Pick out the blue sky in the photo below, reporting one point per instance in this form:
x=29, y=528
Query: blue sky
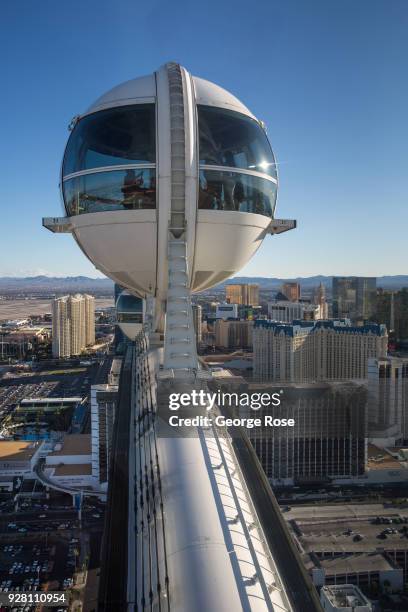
x=329, y=78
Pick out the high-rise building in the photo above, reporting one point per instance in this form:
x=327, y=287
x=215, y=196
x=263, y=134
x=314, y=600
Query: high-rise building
x=247, y=294
x=291, y=291
x=89, y=320
x=287, y=312
x=233, y=334
x=315, y=351
x=392, y=309
x=73, y=324
x=319, y=298
x=119, y=340
x=198, y=322
x=104, y=399
x=328, y=436
x=76, y=308
x=61, y=328
x=253, y=295
x=354, y=297
x=387, y=413
x=226, y=311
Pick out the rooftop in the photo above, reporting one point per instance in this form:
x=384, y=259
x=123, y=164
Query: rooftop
x=220, y=358
x=73, y=469
x=75, y=444
x=351, y=528
x=219, y=372
x=302, y=327
x=50, y=400
x=345, y=596
x=355, y=564
x=12, y=450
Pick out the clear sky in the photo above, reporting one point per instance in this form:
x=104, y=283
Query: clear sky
x=329, y=78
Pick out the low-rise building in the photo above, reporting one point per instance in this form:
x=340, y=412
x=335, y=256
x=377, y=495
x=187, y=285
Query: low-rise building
x=362, y=544
x=69, y=464
x=18, y=458
x=344, y=598
x=363, y=570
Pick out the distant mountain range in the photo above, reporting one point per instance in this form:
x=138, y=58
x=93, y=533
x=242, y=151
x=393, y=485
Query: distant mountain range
x=50, y=284
x=70, y=284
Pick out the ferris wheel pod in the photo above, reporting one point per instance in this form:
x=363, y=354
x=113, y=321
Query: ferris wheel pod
x=137, y=162
x=130, y=314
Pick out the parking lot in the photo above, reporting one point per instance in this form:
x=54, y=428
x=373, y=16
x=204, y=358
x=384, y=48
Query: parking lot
x=10, y=395
x=350, y=528
x=65, y=383
x=36, y=566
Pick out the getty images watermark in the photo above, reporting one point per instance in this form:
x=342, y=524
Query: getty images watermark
x=207, y=401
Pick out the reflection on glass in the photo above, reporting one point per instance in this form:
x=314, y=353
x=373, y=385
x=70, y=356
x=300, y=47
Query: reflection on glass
x=119, y=136
x=129, y=317
x=129, y=309
x=117, y=190
x=234, y=140
x=236, y=192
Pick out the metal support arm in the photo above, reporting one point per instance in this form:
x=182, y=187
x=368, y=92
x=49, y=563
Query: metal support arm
x=58, y=225
x=278, y=226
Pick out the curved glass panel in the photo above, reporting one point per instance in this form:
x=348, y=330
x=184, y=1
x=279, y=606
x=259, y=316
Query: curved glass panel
x=128, y=304
x=116, y=190
x=123, y=135
x=129, y=309
x=235, y=191
x=234, y=140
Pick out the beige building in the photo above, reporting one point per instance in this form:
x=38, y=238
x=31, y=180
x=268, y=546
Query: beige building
x=73, y=324
x=315, y=350
x=291, y=291
x=233, y=334
x=89, y=320
x=246, y=294
x=61, y=328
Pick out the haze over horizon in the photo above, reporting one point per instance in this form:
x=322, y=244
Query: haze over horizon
x=237, y=276
x=334, y=103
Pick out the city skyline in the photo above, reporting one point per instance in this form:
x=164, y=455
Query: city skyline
x=327, y=96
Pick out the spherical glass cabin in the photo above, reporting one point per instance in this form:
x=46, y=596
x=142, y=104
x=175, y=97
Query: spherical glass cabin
x=120, y=176
x=130, y=314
